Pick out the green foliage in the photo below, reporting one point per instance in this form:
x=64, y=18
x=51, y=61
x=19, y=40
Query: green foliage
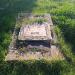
x=31, y=21
x=41, y=67
x=63, y=15
x=66, y=48
x=30, y=68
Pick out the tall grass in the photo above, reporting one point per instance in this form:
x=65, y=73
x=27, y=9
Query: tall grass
x=63, y=16
x=36, y=68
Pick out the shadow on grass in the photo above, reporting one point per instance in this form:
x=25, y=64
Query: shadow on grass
x=66, y=24
x=9, y=10
x=68, y=30
x=30, y=68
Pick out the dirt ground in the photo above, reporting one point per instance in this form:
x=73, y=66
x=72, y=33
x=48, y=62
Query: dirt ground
x=52, y=53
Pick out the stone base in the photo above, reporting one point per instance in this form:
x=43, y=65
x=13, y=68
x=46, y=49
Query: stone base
x=49, y=54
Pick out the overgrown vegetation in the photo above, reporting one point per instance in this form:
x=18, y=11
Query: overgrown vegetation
x=36, y=68
x=63, y=15
x=32, y=21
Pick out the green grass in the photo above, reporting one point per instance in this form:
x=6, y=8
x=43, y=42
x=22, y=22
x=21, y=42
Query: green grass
x=63, y=16
x=36, y=68
x=31, y=21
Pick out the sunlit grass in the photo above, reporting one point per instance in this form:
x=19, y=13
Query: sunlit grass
x=63, y=16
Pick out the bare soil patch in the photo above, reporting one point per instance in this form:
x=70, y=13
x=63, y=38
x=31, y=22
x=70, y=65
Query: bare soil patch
x=47, y=53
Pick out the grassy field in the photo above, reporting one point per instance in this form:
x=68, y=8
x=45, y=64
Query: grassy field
x=63, y=16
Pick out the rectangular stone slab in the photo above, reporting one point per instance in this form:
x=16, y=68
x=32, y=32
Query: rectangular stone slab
x=36, y=31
